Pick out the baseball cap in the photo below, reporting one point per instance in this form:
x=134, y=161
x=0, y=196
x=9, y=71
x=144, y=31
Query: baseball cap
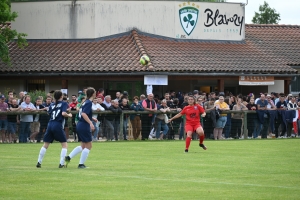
x=2, y=96
x=290, y=95
x=195, y=92
x=79, y=92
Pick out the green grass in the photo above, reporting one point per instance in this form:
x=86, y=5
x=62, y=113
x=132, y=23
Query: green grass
x=236, y=169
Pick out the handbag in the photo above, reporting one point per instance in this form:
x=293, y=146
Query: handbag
x=217, y=112
x=166, y=118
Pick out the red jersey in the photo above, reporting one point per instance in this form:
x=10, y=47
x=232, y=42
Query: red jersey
x=192, y=113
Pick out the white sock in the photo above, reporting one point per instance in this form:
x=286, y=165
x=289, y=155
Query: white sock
x=75, y=151
x=42, y=154
x=84, y=155
x=63, y=154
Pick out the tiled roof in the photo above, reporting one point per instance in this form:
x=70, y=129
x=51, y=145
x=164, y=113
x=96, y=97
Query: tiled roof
x=266, y=49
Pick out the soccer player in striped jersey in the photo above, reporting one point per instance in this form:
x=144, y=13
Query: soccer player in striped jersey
x=57, y=112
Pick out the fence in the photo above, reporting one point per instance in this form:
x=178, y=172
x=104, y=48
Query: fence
x=172, y=113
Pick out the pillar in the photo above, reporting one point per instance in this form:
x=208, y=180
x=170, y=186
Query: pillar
x=221, y=85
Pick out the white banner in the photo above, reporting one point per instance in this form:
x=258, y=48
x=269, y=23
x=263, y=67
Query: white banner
x=155, y=80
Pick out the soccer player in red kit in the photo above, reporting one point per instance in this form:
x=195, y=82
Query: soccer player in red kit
x=192, y=113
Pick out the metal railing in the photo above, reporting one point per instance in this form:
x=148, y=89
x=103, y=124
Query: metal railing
x=171, y=113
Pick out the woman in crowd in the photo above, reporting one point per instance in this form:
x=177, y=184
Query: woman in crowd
x=236, y=120
x=221, y=122
x=135, y=119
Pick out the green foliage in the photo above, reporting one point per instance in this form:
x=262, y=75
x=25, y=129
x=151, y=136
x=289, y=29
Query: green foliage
x=6, y=33
x=37, y=93
x=266, y=15
x=235, y=170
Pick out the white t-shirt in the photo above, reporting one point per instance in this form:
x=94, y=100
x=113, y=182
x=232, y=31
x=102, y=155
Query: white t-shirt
x=95, y=107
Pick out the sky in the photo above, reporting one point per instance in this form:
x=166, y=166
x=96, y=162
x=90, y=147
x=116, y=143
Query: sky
x=289, y=10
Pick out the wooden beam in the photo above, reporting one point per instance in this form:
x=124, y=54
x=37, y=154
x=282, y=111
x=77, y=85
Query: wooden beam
x=287, y=86
x=221, y=87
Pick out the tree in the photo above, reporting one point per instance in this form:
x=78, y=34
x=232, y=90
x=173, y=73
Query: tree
x=266, y=15
x=6, y=33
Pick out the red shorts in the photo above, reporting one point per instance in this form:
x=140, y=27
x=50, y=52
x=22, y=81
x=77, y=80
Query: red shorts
x=192, y=127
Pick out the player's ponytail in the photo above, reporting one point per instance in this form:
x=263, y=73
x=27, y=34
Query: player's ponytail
x=89, y=92
x=57, y=95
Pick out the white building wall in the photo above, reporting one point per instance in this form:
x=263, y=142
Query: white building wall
x=98, y=18
x=277, y=87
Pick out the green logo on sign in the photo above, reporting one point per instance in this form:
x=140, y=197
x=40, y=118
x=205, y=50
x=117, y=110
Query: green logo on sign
x=188, y=18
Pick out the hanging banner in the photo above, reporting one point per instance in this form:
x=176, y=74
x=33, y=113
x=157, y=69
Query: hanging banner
x=256, y=80
x=155, y=80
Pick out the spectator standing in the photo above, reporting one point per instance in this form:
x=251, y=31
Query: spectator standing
x=160, y=121
x=101, y=118
x=252, y=123
x=100, y=93
x=292, y=105
x=221, y=122
x=125, y=107
x=262, y=104
x=281, y=106
x=135, y=119
x=148, y=105
x=118, y=96
x=236, y=120
x=12, y=121
x=107, y=101
x=3, y=118
x=116, y=110
x=26, y=120
x=72, y=107
x=96, y=107
x=35, y=125
x=21, y=96
x=271, y=116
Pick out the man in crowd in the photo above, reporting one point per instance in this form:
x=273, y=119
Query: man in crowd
x=12, y=121
x=3, y=118
x=35, y=125
x=107, y=101
x=124, y=106
x=148, y=105
x=26, y=120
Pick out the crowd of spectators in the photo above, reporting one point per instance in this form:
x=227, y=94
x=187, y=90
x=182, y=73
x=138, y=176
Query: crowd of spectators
x=277, y=115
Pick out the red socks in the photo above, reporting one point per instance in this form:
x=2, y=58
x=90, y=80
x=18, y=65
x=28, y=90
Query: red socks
x=201, y=138
x=187, y=142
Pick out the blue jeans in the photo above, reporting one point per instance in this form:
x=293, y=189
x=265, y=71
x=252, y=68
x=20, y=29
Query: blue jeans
x=24, y=132
x=227, y=128
x=161, y=125
x=181, y=130
x=257, y=128
x=116, y=124
x=96, y=131
x=125, y=123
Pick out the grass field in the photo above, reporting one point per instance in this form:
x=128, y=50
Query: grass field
x=236, y=169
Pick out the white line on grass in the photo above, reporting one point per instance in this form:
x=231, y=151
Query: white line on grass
x=164, y=179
